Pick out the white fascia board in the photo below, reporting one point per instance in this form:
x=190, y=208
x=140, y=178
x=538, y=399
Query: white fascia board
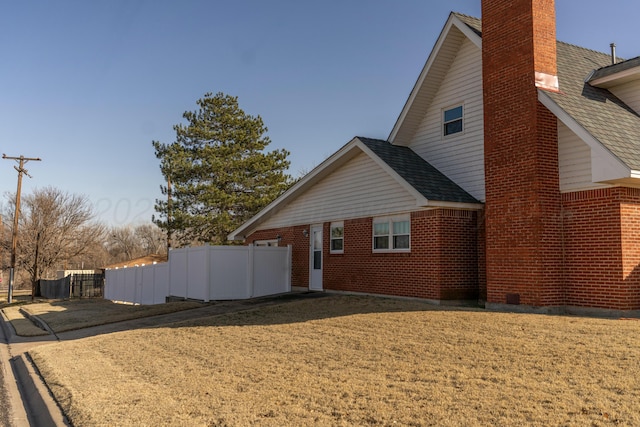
x=317, y=173
x=467, y=31
x=452, y=21
x=617, y=78
x=605, y=166
x=454, y=205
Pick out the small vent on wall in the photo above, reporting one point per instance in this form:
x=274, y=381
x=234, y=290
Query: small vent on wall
x=513, y=299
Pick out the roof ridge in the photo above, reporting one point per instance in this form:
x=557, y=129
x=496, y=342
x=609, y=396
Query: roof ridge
x=585, y=48
x=372, y=139
x=465, y=15
x=557, y=40
x=620, y=61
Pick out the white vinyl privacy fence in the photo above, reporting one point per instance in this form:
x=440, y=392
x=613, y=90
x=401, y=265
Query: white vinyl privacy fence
x=205, y=273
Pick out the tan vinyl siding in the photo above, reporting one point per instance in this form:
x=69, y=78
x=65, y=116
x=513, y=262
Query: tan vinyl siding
x=574, y=162
x=461, y=156
x=629, y=93
x=358, y=189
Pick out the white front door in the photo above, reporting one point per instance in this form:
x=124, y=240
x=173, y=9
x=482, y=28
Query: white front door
x=315, y=258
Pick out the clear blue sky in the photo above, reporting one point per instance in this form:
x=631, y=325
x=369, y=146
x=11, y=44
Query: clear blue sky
x=87, y=85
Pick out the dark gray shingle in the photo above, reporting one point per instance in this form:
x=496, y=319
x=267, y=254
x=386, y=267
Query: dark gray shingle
x=607, y=118
x=426, y=179
x=600, y=112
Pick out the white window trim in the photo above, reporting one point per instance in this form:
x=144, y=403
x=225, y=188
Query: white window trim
x=442, y=122
x=331, y=227
x=390, y=220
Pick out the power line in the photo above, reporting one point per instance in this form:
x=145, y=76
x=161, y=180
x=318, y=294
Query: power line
x=14, y=239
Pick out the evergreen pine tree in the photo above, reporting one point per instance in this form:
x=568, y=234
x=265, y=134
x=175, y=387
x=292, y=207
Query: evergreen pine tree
x=219, y=172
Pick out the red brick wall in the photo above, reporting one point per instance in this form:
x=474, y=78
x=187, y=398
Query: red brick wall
x=602, y=248
x=524, y=29
x=523, y=206
x=442, y=265
x=601, y=258
x=630, y=227
x=482, y=259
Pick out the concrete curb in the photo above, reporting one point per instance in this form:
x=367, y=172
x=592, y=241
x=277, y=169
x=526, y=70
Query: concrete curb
x=31, y=401
x=41, y=408
x=18, y=413
x=37, y=321
x=7, y=328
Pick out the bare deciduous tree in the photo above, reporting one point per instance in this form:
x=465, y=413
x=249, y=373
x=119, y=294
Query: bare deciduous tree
x=152, y=238
x=55, y=228
x=128, y=242
x=122, y=244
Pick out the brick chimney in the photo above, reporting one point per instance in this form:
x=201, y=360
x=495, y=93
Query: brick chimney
x=523, y=206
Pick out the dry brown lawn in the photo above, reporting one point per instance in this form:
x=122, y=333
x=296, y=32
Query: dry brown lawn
x=74, y=314
x=23, y=326
x=19, y=295
x=347, y=360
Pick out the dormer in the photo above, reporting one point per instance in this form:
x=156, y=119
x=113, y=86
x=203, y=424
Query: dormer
x=622, y=79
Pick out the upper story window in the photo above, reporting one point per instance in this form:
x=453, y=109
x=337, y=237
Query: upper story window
x=337, y=238
x=452, y=120
x=392, y=233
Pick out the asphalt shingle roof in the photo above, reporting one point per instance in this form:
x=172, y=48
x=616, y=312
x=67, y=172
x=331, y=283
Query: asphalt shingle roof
x=599, y=111
x=416, y=171
x=474, y=23
x=608, y=119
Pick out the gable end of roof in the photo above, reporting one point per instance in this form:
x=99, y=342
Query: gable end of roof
x=457, y=28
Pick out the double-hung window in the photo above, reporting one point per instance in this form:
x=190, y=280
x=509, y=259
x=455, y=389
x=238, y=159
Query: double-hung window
x=337, y=238
x=392, y=234
x=452, y=120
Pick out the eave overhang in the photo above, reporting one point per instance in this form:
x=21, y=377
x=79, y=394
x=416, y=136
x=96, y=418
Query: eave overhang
x=606, y=167
x=338, y=159
x=617, y=74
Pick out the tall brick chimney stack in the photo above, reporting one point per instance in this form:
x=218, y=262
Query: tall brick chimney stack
x=523, y=206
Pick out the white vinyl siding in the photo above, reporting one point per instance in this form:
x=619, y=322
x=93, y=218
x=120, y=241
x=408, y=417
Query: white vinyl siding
x=437, y=67
x=459, y=156
x=359, y=189
x=574, y=162
x=629, y=93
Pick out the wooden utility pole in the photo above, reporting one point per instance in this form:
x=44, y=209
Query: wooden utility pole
x=169, y=207
x=35, y=268
x=14, y=240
